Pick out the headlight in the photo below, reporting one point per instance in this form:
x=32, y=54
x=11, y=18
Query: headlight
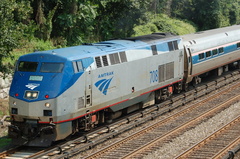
x=28, y=94
x=31, y=95
x=34, y=95
x=47, y=105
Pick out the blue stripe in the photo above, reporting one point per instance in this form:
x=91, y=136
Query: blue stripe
x=227, y=50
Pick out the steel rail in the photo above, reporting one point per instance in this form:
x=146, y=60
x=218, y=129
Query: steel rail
x=208, y=139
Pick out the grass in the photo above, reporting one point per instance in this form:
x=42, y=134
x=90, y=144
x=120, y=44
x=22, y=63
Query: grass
x=4, y=141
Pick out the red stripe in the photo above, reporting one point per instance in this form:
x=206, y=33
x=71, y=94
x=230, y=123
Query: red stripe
x=62, y=121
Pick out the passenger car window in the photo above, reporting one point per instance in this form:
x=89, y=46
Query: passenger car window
x=208, y=54
x=215, y=52
x=201, y=56
x=220, y=50
x=51, y=67
x=25, y=66
x=238, y=45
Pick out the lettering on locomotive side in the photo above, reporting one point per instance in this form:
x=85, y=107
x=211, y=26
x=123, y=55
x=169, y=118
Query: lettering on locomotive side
x=105, y=74
x=153, y=76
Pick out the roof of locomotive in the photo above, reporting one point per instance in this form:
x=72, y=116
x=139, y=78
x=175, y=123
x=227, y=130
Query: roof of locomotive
x=107, y=47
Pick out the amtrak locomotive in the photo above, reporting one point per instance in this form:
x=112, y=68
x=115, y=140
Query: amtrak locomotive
x=59, y=92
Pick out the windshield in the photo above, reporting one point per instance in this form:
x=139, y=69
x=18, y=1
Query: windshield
x=51, y=67
x=25, y=66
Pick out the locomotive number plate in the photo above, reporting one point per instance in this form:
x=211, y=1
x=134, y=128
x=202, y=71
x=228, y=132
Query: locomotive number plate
x=35, y=78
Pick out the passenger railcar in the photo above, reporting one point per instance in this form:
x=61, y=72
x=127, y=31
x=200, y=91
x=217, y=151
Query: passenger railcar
x=59, y=92
x=213, y=50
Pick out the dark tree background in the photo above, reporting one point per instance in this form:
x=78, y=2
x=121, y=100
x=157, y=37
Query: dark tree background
x=72, y=22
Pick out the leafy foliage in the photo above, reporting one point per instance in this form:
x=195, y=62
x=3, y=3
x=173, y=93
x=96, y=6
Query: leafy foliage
x=207, y=14
x=163, y=23
x=72, y=22
x=9, y=31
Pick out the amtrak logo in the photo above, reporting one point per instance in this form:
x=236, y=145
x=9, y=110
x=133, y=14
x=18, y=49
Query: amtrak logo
x=32, y=85
x=105, y=74
x=103, y=85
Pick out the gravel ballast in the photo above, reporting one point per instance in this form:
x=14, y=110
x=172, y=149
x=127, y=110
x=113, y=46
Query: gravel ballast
x=189, y=138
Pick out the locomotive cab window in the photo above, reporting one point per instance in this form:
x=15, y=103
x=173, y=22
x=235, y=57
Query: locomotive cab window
x=25, y=66
x=49, y=67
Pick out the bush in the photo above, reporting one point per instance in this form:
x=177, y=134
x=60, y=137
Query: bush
x=163, y=23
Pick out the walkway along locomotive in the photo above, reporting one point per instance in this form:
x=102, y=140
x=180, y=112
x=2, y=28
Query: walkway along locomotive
x=59, y=92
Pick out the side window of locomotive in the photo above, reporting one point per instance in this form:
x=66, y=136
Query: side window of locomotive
x=77, y=66
x=208, y=54
x=215, y=52
x=201, y=56
x=80, y=66
x=170, y=46
x=154, y=49
x=173, y=45
x=220, y=50
x=48, y=67
x=25, y=66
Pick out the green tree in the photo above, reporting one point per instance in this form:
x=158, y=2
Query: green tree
x=116, y=18
x=10, y=32
x=207, y=14
x=74, y=21
x=44, y=13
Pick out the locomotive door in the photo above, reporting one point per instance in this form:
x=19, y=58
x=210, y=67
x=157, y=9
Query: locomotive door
x=88, y=88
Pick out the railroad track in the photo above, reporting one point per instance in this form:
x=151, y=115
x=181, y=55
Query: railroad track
x=216, y=145
x=94, y=138
x=21, y=152
x=153, y=137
